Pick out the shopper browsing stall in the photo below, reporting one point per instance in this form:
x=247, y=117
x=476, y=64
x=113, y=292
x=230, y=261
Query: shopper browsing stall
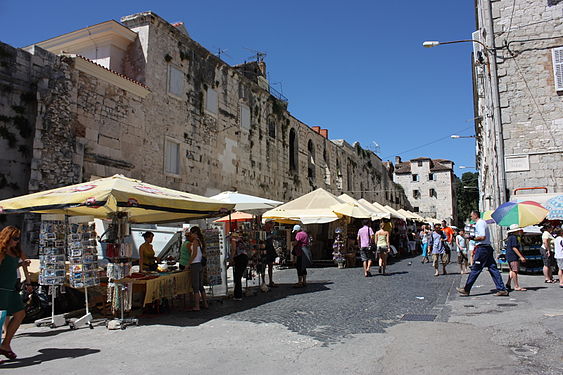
x=546, y=251
x=558, y=233
x=303, y=255
x=514, y=256
x=270, y=252
x=10, y=300
x=239, y=261
x=185, y=251
x=198, y=260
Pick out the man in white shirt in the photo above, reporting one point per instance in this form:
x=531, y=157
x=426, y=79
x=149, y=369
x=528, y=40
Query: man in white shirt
x=484, y=257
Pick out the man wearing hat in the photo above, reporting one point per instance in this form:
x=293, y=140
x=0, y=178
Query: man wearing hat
x=514, y=256
x=302, y=254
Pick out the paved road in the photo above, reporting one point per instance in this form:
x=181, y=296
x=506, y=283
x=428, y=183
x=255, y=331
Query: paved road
x=341, y=323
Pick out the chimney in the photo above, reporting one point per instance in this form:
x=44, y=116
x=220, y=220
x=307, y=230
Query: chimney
x=324, y=133
x=316, y=129
x=397, y=159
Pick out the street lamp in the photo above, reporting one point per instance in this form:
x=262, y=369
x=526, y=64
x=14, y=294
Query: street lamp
x=434, y=43
x=455, y=136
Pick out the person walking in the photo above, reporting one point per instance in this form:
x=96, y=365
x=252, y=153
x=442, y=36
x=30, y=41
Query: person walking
x=365, y=239
x=558, y=242
x=383, y=247
x=546, y=251
x=461, y=246
x=484, y=257
x=270, y=252
x=514, y=256
x=424, y=242
x=439, y=254
x=303, y=255
x=10, y=299
x=239, y=259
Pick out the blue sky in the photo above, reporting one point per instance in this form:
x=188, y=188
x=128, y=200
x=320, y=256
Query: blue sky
x=357, y=68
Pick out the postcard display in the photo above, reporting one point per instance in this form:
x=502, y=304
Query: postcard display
x=214, y=245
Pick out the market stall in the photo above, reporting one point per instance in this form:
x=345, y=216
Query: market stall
x=121, y=200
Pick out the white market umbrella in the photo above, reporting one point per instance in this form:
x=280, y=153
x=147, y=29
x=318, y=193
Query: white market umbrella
x=245, y=202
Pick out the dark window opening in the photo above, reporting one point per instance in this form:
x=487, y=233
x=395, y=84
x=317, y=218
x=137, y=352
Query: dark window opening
x=292, y=150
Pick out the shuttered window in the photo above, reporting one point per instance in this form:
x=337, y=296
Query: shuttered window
x=175, y=81
x=171, y=156
x=244, y=116
x=558, y=67
x=211, y=101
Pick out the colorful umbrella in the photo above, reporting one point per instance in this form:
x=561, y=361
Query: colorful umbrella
x=487, y=216
x=555, y=208
x=521, y=213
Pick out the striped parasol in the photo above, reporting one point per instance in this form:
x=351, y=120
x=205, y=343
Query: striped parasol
x=521, y=213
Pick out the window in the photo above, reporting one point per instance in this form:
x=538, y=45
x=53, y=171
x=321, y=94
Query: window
x=415, y=177
x=557, y=54
x=416, y=194
x=416, y=209
x=244, y=116
x=292, y=150
x=419, y=163
x=175, y=81
x=272, y=127
x=432, y=193
x=171, y=156
x=211, y=101
x=431, y=177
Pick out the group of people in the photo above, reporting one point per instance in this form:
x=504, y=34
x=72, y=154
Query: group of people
x=374, y=245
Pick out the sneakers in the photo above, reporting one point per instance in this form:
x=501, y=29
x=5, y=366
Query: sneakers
x=501, y=293
x=462, y=291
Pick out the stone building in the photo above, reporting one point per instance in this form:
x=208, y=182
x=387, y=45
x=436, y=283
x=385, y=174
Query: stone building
x=429, y=186
x=142, y=99
x=518, y=88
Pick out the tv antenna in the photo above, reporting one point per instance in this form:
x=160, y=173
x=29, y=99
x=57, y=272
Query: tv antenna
x=375, y=147
x=221, y=51
x=259, y=55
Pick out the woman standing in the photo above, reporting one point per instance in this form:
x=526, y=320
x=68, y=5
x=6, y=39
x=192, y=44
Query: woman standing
x=10, y=300
x=147, y=260
x=185, y=252
x=383, y=247
x=514, y=256
x=196, y=266
x=302, y=254
x=424, y=240
x=239, y=259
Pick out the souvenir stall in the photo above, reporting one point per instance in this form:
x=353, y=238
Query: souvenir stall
x=530, y=243
x=122, y=200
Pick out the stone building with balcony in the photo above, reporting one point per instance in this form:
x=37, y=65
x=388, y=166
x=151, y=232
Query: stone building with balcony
x=141, y=98
x=429, y=186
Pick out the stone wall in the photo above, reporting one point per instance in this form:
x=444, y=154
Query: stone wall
x=525, y=32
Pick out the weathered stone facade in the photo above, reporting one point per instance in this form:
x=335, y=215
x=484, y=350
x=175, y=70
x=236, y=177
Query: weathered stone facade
x=429, y=186
x=520, y=133
x=171, y=113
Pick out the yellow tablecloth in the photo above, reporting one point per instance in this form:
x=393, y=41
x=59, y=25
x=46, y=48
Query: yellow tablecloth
x=164, y=286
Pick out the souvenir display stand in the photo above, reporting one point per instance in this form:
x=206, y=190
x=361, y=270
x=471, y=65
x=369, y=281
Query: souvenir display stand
x=119, y=253
x=215, y=247
x=52, y=240
x=83, y=259
x=530, y=244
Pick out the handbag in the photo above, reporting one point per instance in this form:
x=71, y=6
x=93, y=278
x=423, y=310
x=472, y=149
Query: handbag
x=372, y=245
x=203, y=261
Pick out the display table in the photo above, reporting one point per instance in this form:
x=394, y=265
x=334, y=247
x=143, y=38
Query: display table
x=166, y=285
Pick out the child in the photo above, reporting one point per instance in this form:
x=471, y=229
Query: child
x=461, y=245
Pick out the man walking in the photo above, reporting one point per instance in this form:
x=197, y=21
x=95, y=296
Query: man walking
x=484, y=257
x=439, y=254
x=365, y=239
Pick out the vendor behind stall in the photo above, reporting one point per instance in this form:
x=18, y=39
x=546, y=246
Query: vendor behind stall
x=147, y=258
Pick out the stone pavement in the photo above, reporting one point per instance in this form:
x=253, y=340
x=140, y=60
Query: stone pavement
x=342, y=322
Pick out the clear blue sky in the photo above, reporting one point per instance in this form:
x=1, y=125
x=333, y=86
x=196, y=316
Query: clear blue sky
x=357, y=68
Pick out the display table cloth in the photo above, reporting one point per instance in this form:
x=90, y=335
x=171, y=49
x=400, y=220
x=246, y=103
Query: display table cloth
x=164, y=286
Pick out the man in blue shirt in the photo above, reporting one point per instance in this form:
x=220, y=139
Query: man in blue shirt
x=439, y=254
x=484, y=257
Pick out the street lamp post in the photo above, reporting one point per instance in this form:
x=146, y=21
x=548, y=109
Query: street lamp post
x=455, y=136
x=465, y=167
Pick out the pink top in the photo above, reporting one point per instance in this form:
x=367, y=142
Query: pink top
x=302, y=239
x=364, y=234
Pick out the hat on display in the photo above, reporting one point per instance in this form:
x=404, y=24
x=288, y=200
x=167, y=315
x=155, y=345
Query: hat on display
x=296, y=228
x=514, y=228
x=338, y=230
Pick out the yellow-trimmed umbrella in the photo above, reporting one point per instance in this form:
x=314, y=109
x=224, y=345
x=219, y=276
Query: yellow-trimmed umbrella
x=143, y=203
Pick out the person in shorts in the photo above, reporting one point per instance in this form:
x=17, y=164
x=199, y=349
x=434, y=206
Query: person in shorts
x=558, y=242
x=439, y=254
x=514, y=257
x=461, y=246
x=365, y=240
x=546, y=251
x=383, y=247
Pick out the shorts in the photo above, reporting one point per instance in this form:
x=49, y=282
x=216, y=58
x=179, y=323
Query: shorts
x=366, y=253
x=547, y=261
x=559, y=263
x=440, y=258
x=382, y=250
x=461, y=257
x=514, y=266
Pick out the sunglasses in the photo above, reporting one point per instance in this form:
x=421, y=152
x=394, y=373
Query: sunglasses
x=15, y=238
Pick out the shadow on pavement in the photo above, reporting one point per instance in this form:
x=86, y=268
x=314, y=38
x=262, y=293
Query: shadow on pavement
x=221, y=308
x=48, y=354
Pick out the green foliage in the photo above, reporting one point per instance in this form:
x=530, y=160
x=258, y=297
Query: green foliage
x=467, y=195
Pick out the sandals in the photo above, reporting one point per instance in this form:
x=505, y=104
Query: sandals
x=8, y=354
x=549, y=281
x=520, y=289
